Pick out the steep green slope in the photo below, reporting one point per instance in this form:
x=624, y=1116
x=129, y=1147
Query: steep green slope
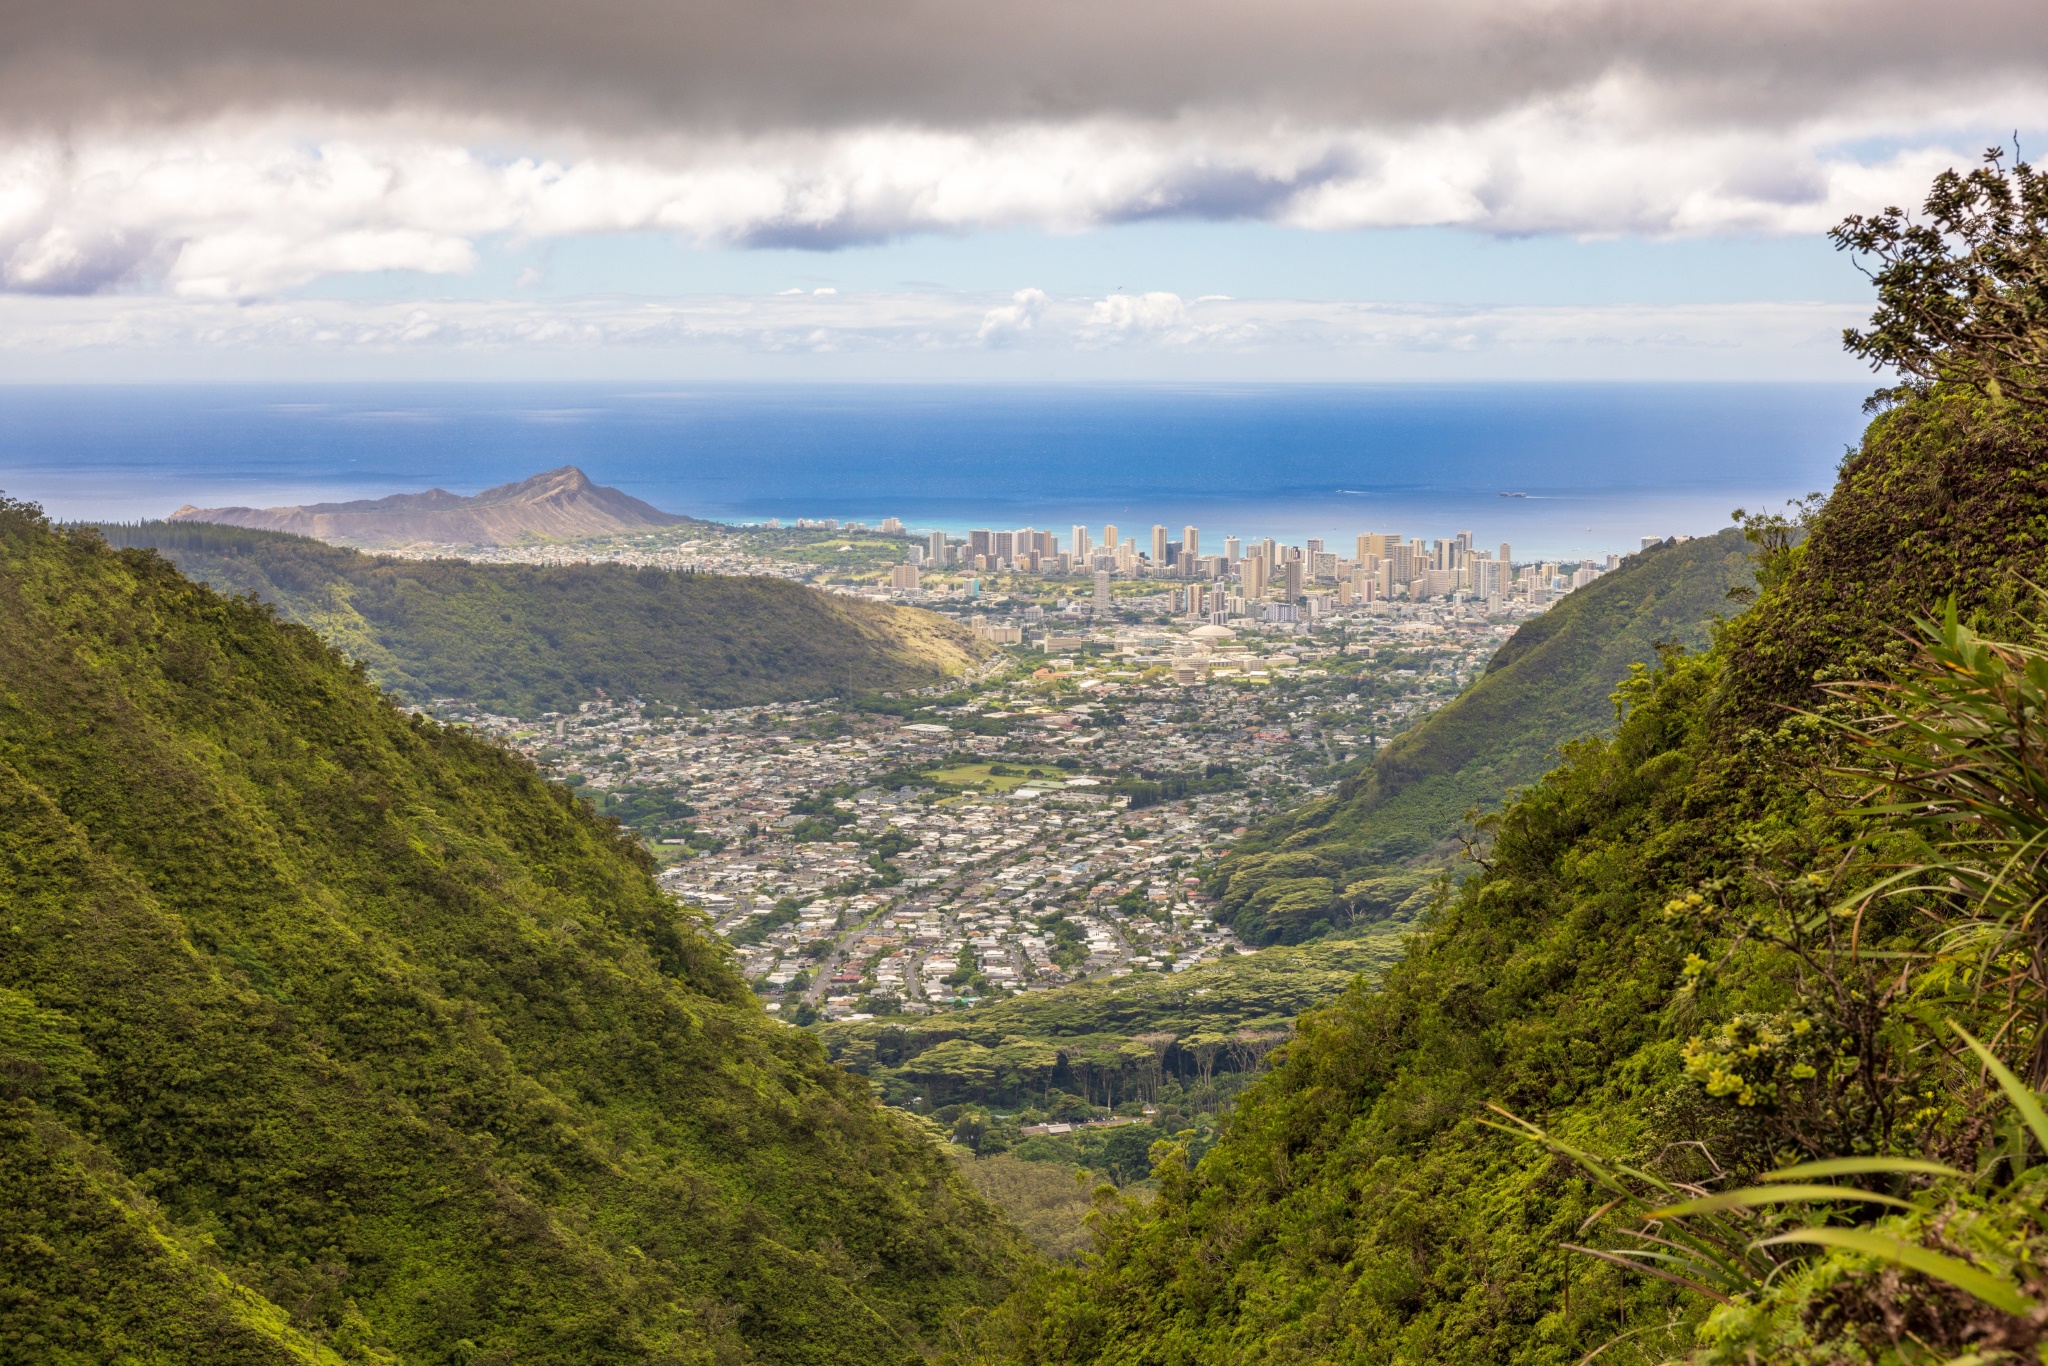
x=1375, y=845
x=530, y=639
x=1648, y=968
x=329, y=1032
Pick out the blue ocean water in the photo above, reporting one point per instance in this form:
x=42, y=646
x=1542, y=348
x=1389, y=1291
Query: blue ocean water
x=1601, y=464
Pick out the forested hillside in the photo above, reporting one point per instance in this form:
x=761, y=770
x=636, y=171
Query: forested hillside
x=1099, y=1042
x=1374, y=847
x=1730, y=1051
x=329, y=1034
x=527, y=639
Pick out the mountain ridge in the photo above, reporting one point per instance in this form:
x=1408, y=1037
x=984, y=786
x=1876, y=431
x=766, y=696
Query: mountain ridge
x=527, y=639
x=331, y=1034
x=557, y=505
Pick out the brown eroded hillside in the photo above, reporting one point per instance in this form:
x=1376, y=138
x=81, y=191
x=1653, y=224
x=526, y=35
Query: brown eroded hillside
x=558, y=505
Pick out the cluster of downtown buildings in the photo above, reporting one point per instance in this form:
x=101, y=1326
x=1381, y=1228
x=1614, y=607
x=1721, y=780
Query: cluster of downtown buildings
x=1262, y=578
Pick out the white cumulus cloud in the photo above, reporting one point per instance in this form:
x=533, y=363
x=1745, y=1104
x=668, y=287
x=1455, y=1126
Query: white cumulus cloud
x=248, y=206
x=1000, y=326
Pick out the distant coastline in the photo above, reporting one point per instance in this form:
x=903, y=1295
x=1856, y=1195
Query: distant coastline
x=1601, y=464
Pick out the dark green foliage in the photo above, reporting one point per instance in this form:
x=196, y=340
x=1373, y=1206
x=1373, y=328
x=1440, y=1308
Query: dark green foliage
x=759, y=927
x=1374, y=848
x=323, y=1024
x=524, y=640
x=1959, y=293
x=1975, y=476
x=1638, y=967
x=1150, y=789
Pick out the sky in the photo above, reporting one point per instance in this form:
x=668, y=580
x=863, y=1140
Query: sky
x=929, y=190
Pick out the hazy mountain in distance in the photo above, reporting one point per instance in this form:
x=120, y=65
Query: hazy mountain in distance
x=558, y=505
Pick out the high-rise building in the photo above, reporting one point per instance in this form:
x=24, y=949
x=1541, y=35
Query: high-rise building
x=914, y=555
x=1233, y=549
x=1253, y=571
x=1401, y=559
x=935, y=548
x=1489, y=576
x=1378, y=544
x=1190, y=542
x=1315, y=545
x=1080, y=549
x=1002, y=547
x=981, y=542
x=1293, y=580
x=892, y=526
x=904, y=576
x=1158, y=548
x=1464, y=541
x=1102, y=590
x=1323, y=565
x=1505, y=557
x=1109, y=541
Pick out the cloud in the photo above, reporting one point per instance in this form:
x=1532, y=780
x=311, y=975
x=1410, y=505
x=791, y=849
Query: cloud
x=1166, y=319
x=905, y=324
x=247, y=206
x=239, y=149
x=1001, y=326
x=633, y=65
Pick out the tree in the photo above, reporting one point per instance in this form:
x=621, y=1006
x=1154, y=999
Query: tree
x=1964, y=295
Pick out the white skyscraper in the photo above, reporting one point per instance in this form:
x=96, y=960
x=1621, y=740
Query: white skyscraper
x=1102, y=590
x=1158, y=548
x=1233, y=549
x=1080, y=548
x=935, y=548
x=1190, y=543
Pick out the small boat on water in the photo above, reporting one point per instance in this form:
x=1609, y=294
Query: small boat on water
x=1514, y=495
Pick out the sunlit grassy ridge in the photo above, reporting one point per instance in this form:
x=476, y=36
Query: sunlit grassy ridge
x=326, y=1030
x=526, y=639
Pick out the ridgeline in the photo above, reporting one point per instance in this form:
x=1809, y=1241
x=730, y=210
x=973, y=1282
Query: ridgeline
x=333, y=1035
x=558, y=505
x=523, y=640
x=1788, y=913
x=1374, y=848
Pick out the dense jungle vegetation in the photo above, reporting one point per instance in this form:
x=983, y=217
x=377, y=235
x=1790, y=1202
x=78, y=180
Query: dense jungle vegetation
x=332, y=1035
x=1373, y=849
x=1093, y=1043
x=1729, y=1051
x=528, y=639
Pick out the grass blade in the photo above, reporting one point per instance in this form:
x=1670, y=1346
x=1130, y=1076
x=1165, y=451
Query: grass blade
x=1992, y=1290
x=2023, y=1099
x=1860, y=1166
x=1749, y=1197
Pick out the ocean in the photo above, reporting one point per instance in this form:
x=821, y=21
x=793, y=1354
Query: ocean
x=1600, y=465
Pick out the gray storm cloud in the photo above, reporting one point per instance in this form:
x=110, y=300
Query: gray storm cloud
x=746, y=65
x=238, y=149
